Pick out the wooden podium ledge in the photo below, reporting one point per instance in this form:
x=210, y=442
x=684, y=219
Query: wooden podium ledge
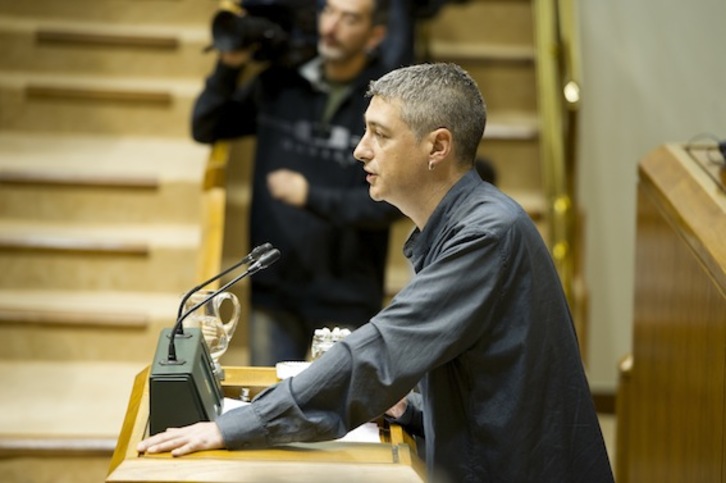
x=391, y=460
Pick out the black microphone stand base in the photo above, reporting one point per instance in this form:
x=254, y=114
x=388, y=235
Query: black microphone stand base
x=184, y=391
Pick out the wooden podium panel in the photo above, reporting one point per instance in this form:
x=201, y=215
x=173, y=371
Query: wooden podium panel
x=391, y=460
x=671, y=419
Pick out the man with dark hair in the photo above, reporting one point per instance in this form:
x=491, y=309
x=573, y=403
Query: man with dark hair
x=483, y=328
x=309, y=196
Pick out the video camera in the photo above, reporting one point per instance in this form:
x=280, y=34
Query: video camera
x=284, y=31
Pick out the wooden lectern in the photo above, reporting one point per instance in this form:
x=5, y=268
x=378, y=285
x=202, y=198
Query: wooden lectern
x=392, y=460
x=672, y=396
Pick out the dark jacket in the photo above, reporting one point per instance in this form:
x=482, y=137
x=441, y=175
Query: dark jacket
x=485, y=330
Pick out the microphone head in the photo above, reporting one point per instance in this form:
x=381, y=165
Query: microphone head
x=268, y=258
x=259, y=251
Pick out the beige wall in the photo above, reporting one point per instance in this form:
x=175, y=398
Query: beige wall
x=654, y=71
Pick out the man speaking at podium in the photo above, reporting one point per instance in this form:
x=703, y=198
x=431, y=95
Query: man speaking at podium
x=483, y=328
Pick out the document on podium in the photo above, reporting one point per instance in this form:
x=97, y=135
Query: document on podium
x=365, y=433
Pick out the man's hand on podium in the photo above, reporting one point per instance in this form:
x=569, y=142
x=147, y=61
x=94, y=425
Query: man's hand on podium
x=181, y=441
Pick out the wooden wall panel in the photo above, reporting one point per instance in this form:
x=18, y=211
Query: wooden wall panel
x=675, y=397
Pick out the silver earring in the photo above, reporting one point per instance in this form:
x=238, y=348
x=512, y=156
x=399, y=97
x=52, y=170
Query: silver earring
x=431, y=165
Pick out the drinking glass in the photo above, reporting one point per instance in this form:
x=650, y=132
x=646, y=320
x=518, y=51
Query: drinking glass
x=217, y=333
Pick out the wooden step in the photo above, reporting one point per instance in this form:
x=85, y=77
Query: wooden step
x=98, y=257
x=487, y=53
x=533, y=202
x=61, y=416
x=517, y=163
x=499, y=22
x=512, y=125
x=78, y=400
x=64, y=325
x=100, y=178
x=175, y=12
x=73, y=47
x=93, y=104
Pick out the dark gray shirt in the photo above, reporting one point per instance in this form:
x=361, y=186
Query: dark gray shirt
x=485, y=331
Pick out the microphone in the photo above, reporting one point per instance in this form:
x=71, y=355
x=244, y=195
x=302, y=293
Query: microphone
x=252, y=256
x=184, y=391
x=268, y=257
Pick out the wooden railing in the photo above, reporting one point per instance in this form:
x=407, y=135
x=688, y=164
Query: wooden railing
x=214, y=199
x=558, y=79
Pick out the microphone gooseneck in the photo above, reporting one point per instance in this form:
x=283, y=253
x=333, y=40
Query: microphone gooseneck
x=251, y=257
x=268, y=256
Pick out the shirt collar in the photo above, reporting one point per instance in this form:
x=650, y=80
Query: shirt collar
x=312, y=71
x=420, y=242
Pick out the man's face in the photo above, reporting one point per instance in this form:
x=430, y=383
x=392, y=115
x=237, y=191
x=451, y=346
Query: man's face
x=393, y=159
x=346, y=29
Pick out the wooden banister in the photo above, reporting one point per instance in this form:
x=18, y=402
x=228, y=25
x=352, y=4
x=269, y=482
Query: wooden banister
x=214, y=198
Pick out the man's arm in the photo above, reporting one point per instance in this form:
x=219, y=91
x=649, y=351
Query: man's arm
x=433, y=320
x=222, y=111
x=437, y=317
x=352, y=206
x=343, y=206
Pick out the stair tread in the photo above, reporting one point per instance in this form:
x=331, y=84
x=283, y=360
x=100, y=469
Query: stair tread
x=163, y=159
x=191, y=33
x=173, y=86
x=533, y=202
x=148, y=11
x=170, y=235
x=153, y=305
x=511, y=125
x=64, y=399
x=442, y=49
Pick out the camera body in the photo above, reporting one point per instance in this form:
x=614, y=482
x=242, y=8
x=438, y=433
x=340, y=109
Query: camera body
x=281, y=31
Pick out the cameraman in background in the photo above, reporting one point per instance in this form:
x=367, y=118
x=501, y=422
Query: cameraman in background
x=310, y=196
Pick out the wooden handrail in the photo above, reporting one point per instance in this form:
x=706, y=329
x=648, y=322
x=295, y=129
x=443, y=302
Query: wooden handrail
x=213, y=210
x=559, y=99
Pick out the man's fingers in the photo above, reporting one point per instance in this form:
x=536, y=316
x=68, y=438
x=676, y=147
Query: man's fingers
x=181, y=441
x=159, y=442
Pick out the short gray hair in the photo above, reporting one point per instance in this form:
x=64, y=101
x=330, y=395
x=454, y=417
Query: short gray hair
x=437, y=95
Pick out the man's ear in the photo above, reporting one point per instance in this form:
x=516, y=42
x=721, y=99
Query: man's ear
x=441, y=145
x=378, y=33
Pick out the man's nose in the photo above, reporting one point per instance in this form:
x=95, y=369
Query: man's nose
x=330, y=24
x=361, y=152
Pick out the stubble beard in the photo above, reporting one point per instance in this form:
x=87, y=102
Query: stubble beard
x=334, y=51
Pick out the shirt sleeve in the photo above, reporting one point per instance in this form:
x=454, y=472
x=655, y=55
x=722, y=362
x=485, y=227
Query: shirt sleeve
x=432, y=321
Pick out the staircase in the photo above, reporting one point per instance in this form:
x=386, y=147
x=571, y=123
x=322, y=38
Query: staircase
x=108, y=213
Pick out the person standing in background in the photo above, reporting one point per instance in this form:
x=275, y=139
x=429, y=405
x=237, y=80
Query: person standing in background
x=309, y=196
